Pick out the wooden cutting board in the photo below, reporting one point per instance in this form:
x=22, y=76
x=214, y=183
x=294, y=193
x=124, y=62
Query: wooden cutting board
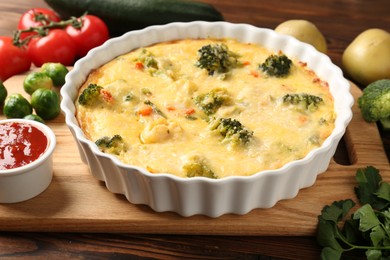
x=76, y=202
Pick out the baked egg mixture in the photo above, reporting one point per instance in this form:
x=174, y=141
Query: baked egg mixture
x=205, y=107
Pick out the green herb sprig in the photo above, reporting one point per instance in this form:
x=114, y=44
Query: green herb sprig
x=368, y=228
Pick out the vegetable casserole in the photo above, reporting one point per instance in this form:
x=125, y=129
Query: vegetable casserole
x=205, y=107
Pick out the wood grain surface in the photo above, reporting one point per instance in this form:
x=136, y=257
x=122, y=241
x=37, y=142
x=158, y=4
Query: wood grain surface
x=76, y=202
x=340, y=22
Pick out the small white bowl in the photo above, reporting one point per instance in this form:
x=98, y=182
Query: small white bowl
x=199, y=195
x=27, y=181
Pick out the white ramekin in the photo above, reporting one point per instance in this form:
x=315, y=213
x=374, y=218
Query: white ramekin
x=211, y=197
x=25, y=182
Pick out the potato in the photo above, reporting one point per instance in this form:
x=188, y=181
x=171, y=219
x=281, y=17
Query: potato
x=304, y=31
x=367, y=57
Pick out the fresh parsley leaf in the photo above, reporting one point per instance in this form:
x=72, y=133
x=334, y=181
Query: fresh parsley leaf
x=373, y=254
x=378, y=236
x=367, y=217
x=385, y=215
x=329, y=253
x=367, y=229
x=351, y=230
x=328, y=234
x=337, y=210
x=384, y=191
x=369, y=181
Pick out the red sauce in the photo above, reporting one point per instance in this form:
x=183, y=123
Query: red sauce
x=20, y=144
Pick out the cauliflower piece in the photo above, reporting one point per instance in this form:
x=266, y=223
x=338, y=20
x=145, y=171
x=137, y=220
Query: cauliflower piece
x=159, y=130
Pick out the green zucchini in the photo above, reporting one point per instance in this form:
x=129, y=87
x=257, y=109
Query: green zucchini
x=125, y=15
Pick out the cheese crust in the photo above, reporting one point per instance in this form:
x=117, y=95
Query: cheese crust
x=149, y=99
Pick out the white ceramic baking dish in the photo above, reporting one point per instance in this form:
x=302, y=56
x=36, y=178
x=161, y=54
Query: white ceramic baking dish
x=211, y=197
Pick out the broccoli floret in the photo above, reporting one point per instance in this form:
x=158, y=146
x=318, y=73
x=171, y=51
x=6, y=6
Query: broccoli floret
x=210, y=102
x=303, y=100
x=385, y=122
x=113, y=145
x=232, y=131
x=196, y=166
x=217, y=58
x=89, y=94
x=276, y=65
x=148, y=59
x=374, y=103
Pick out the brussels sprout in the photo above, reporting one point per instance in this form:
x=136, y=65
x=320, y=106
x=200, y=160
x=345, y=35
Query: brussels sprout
x=56, y=71
x=46, y=103
x=16, y=106
x=35, y=118
x=36, y=80
x=3, y=92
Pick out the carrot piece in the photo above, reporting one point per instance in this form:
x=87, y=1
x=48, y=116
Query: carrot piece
x=139, y=65
x=189, y=111
x=171, y=108
x=106, y=96
x=145, y=111
x=302, y=119
x=254, y=73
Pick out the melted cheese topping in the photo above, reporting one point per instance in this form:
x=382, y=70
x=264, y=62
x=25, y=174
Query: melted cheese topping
x=152, y=107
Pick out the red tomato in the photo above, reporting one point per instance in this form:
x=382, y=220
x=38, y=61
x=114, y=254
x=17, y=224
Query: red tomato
x=36, y=17
x=93, y=33
x=13, y=60
x=57, y=46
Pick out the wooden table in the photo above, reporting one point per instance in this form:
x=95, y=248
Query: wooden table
x=340, y=22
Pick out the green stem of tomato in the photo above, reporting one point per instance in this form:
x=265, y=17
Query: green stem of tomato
x=44, y=29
